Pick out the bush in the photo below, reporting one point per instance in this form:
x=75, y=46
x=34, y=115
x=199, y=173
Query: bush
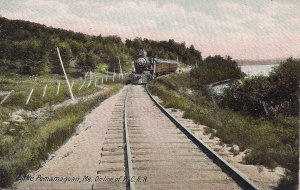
x=247, y=95
x=288, y=182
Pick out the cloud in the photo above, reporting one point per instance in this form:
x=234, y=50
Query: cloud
x=242, y=30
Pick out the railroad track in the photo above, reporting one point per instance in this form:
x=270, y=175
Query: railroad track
x=146, y=148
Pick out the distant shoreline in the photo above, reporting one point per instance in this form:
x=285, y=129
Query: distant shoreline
x=259, y=62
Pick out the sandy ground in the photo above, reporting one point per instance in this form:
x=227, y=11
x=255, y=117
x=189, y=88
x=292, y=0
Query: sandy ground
x=79, y=156
x=260, y=175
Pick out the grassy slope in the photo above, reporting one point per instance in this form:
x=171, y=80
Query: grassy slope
x=26, y=147
x=269, y=143
x=22, y=86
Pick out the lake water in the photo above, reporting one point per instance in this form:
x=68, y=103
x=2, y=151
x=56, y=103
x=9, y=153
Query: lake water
x=252, y=70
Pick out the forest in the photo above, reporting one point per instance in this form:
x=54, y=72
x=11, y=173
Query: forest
x=30, y=48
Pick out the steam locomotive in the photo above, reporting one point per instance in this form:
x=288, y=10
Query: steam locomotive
x=147, y=68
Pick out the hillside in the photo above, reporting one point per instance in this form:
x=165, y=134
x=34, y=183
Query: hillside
x=29, y=48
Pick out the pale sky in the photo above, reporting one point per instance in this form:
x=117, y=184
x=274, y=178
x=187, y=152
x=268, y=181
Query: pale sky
x=243, y=29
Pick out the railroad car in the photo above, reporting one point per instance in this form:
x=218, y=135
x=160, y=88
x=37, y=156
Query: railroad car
x=164, y=66
x=147, y=68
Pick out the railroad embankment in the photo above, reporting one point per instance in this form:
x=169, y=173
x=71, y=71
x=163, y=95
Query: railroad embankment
x=264, y=142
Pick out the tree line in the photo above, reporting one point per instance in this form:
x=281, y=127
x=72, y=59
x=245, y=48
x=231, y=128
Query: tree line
x=166, y=50
x=30, y=48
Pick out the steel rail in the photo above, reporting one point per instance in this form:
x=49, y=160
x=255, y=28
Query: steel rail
x=129, y=172
x=236, y=175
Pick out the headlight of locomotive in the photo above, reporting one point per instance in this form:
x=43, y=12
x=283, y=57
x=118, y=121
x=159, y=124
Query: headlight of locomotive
x=141, y=62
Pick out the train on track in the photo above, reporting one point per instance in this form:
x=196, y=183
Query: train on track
x=147, y=68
